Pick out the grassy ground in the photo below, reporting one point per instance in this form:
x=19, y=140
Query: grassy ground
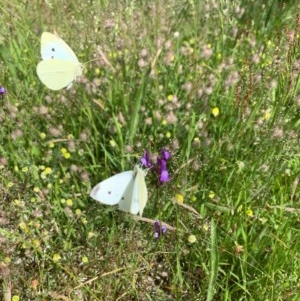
x=214, y=82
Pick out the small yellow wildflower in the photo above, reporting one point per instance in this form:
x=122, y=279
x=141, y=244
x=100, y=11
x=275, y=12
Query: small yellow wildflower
x=84, y=220
x=48, y=170
x=67, y=155
x=36, y=189
x=78, y=212
x=49, y=185
x=170, y=97
x=179, y=198
x=56, y=257
x=249, y=212
x=17, y=202
x=36, y=242
x=70, y=136
x=69, y=202
x=42, y=135
x=24, y=227
x=10, y=184
x=25, y=169
x=215, y=111
x=267, y=115
x=192, y=239
x=168, y=134
x=16, y=168
x=91, y=234
x=84, y=259
x=112, y=143
x=205, y=227
x=97, y=71
x=51, y=144
x=15, y=298
x=211, y=195
x=63, y=150
x=164, y=122
x=63, y=201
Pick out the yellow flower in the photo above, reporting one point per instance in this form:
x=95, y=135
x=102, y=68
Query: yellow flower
x=51, y=145
x=267, y=115
x=211, y=195
x=205, y=227
x=168, y=134
x=36, y=189
x=15, y=298
x=97, y=71
x=70, y=136
x=170, y=97
x=77, y=211
x=48, y=170
x=164, y=122
x=24, y=227
x=112, y=143
x=249, y=212
x=36, y=242
x=179, y=198
x=56, y=257
x=67, y=155
x=10, y=184
x=69, y=202
x=42, y=135
x=215, y=111
x=91, y=234
x=192, y=239
x=25, y=169
x=63, y=150
x=84, y=259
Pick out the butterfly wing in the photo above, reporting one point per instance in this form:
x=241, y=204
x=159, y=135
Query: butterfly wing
x=57, y=74
x=141, y=187
x=135, y=196
x=53, y=47
x=112, y=190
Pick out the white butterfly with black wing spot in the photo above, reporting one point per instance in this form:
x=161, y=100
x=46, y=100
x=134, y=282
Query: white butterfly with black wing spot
x=60, y=66
x=128, y=189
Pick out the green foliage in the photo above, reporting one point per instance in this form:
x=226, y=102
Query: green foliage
x=215, y=83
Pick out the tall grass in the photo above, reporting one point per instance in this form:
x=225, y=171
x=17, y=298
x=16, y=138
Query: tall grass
x=215, y=83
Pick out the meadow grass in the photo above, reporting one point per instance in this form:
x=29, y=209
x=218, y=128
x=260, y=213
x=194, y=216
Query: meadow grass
x=214, y=82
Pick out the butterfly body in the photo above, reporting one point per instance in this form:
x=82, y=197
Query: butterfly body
x=59, y=66
x=128, y=189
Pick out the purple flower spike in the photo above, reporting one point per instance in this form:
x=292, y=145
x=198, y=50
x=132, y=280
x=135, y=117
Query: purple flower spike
x=145, y=160
x=159, y=229
x=164, y=174
x=165, y=154
x=2, y=91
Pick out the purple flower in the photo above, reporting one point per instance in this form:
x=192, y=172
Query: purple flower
x=2, y=91
x=159, y=229
x=145, y=160
x=164, y=174
x=165, y=154
x=162, y=164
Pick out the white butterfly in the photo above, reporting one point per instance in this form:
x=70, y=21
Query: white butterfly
x=128, y=189
x=60, y=66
